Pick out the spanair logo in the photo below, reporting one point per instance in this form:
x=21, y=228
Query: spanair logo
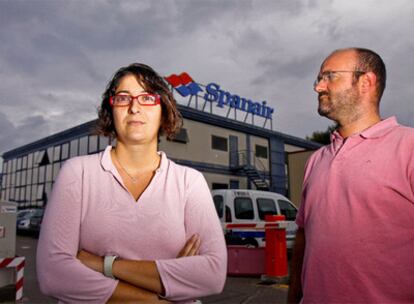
x=184, y=84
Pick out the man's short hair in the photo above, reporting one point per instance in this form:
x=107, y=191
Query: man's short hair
x=369, y=61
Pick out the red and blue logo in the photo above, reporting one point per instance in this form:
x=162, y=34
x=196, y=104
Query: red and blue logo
x=184, y=84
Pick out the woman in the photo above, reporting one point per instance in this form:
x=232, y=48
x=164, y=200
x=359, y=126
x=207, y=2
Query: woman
x=128, y=224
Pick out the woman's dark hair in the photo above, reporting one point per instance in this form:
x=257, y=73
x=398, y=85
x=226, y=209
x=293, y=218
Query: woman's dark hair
x=171, y=120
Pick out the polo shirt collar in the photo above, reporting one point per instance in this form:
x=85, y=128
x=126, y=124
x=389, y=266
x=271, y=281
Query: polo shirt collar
x=378, y=130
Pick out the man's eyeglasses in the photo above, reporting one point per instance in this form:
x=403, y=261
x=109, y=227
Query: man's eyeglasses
x=124, y=100
x=328, y=76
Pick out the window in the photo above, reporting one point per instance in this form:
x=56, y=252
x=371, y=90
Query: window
x=74, y=148
x=218, y=203
x=83, y=146
x=12, y=192
x=41, y=158
x=56, y=153
x=30, y=160
x=243, y=208
x=93, y=144
x=29, y=176
x=22, y=193
x=287, y=209
x=27, y=194
x=219, y=143
x=65, y=151
x=261, y=151
x=14, y=163
x=35, y=175
x=19, y=163
x=23, y=177
x=33, y=192
x=103, y=142
x=40, y=189
x=42, y=174
x=216, y=186
x=181, y=137
x=50, y=154
x=266, y=206
x=49, y=173
x=18, y=179
x=24, y=162
x=56, y=167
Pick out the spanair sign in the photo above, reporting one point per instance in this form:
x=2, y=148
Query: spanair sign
x=213, y=93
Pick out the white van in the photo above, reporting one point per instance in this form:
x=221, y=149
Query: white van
x=242, y=214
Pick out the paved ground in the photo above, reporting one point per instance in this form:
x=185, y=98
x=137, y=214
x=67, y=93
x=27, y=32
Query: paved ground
x=237, y=290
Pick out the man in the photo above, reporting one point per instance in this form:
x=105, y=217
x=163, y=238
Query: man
x=355, y=242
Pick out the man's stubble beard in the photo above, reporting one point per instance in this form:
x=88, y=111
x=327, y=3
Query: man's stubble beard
x=339, y=106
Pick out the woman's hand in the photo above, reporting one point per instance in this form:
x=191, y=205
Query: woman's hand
x=191, y=247
x=90, y=260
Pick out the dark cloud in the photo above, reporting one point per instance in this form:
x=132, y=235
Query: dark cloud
x=57, y=56
x=13, y=135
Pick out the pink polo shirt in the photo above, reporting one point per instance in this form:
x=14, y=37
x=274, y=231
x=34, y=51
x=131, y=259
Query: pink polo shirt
x=358, y=215
x=91, y=209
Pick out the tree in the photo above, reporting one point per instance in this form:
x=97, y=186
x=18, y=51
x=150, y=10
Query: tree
x=322, y=137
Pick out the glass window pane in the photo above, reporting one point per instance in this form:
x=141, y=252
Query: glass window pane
x=39, y=156
x=266, y=206
x=12, y=181
x=219, y=143
x=42, y=170
x=40, y=189
x=18, y=179
x=27, y=198
x=50, y=154
x=48, y=190
x=3, y=181
x=74, y=148
x=35, y=177
x=4, y=167
x=14, y=163
x=24, y=162
x=19, y=163
x=3, y=195
x=56, y=167
x=218, y=203
x=49, y=173
x=30, y=160
x=261, y=151
x=56, y=153
x=287, y=209
x=22, y=193
x=34, y=192
x=65, y=151
x=93, y=143
x=23, y=177
x=83, y=146
x=29, y=176
x=243, y=207
x=103, y=142
x=12, y=194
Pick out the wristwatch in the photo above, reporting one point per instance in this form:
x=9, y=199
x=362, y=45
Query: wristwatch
x=108, y=261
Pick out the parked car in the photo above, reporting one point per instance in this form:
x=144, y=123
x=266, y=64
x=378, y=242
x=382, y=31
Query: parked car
x=29, y=220
x=237, y=208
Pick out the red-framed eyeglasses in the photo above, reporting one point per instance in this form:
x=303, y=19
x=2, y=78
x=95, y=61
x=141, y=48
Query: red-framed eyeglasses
x=124, y=100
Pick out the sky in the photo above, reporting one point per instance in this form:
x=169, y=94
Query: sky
x=56, y=57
